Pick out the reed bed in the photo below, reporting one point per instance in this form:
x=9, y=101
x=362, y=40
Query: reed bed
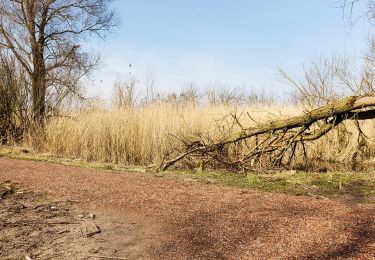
x=143, y=135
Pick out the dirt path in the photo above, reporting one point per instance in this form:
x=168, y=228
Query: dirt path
x=34, y=225
x=183, y=219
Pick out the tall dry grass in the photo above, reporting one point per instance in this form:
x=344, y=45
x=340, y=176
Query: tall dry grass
x=143, y=135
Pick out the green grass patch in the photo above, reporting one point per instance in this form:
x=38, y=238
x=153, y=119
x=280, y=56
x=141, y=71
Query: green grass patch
x=355, y=186
x=22, y=153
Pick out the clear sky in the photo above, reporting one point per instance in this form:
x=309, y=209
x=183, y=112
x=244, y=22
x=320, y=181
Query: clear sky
x=236, y=43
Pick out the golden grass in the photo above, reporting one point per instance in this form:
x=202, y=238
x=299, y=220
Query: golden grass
x=143, y=135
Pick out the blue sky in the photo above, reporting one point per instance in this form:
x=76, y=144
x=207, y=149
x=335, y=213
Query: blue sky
x=234, y=43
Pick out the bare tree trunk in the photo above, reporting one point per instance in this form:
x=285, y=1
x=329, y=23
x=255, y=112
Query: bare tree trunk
x=45, y=37
x=280, y=136
x=39, y=81
x=39, y=99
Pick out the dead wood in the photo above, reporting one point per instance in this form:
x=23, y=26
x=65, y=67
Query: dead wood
x=97, y=231
x=106, y=257
x=278, y=138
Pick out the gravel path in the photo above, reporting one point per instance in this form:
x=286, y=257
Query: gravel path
x=183, y=219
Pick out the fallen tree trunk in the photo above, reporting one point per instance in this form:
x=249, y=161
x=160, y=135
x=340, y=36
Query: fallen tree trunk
x=280, y=136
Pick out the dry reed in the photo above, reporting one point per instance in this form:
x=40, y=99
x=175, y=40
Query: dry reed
x=142, y=135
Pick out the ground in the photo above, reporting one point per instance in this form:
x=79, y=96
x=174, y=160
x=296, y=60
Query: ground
x=143, y=216
x=34, y=225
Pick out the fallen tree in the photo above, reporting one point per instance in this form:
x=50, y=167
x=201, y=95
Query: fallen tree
x=276, y=139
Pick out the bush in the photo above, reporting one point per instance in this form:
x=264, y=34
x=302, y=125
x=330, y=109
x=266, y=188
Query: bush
x=14, y=102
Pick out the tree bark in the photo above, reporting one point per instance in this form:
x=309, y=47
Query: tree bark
x=39, y=97
x=39, y=89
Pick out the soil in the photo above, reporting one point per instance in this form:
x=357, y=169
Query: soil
x=142, y=216
x=36, y=227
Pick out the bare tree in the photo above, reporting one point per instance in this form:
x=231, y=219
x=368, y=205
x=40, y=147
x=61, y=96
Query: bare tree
x=124, y=92
x=150, y=83
x=272, y=143
x=14, y=101
x=217, y=93
x=190, y=94
x=45, y=37
x=326, y=79
x=353, y=10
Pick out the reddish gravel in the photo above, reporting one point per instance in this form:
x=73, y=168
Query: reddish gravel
x=184, y=219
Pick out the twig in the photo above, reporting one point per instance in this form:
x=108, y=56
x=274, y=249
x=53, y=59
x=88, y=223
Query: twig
x=106, y=257
x=316, y=196
x=15, y=224
x=97, y=231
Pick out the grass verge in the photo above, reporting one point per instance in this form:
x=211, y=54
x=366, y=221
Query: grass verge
x=358, y=187
x=355, y=186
